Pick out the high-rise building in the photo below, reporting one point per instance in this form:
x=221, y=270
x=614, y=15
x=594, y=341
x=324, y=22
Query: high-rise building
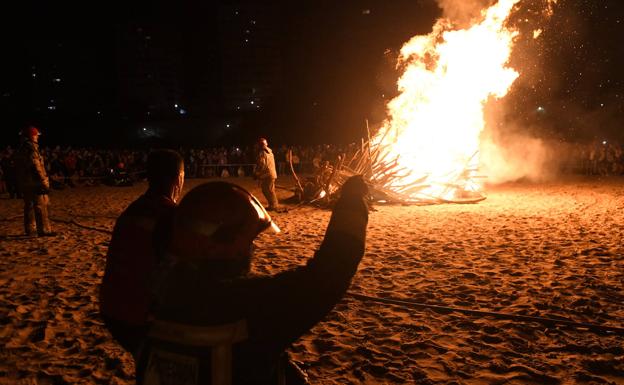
x=249, y=45
x=148, y=70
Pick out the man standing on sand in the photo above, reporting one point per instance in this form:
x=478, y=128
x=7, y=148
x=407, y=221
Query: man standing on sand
x=265, y=172
x=125, y=292
x=33, y=184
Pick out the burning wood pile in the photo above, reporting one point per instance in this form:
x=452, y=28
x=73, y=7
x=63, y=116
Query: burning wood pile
x=386, y=179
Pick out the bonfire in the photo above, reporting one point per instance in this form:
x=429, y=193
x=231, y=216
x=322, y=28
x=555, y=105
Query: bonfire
x=427, y=149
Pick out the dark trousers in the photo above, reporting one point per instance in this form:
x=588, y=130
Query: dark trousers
x=36, y=213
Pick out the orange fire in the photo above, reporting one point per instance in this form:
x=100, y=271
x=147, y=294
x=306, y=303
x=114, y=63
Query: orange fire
x=433, y=127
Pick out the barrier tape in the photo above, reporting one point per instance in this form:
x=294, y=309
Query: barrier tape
x=96, y=177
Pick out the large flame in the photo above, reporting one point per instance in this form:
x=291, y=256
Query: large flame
x=434, y=125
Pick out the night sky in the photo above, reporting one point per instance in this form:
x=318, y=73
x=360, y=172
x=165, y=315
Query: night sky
x=329, y=67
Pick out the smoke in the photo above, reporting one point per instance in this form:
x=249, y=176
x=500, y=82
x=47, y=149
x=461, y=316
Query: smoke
x=516, y=156
x=462, y=12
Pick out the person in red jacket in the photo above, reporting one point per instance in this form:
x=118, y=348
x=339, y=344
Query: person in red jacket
x=205, y=284
x=125, y=289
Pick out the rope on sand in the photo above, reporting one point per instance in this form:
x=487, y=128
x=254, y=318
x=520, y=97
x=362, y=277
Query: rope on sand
x=516, y=317
x=76, y=223
x=69, y=222
x=9, y=219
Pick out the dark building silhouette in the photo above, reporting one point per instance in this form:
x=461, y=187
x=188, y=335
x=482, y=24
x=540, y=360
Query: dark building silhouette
x=148, y=72
x=200, y=71
x=250, y=54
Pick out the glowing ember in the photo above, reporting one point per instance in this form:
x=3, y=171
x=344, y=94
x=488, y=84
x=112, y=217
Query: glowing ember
x=434, y=125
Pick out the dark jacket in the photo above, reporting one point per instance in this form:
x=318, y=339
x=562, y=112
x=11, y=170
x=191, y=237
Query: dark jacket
x=125, y=291
x=30, y=170
x=278, y=309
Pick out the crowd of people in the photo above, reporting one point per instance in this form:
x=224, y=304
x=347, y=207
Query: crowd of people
x=68, y=166
x=596, y=158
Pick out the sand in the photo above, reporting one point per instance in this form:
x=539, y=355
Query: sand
x=547, y=249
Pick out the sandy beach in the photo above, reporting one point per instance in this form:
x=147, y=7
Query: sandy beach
x=552, y=249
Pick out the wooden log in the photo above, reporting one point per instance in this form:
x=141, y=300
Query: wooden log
x=337, y=166
x=294, y=174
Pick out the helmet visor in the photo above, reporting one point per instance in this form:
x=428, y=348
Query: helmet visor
x=264, y=219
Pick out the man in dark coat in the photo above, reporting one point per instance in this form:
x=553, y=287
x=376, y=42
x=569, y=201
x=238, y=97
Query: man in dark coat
x=125, y=291
x=208, y=283
x=33, y=184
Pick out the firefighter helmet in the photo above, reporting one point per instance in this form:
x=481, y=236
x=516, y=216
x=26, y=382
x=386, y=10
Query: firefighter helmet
x=218, y=220
x=30, y=132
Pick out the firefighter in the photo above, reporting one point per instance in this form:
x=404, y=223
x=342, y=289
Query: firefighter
x=33, y=184
x=206, y=282
x=125, y=293
x=266, y=174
